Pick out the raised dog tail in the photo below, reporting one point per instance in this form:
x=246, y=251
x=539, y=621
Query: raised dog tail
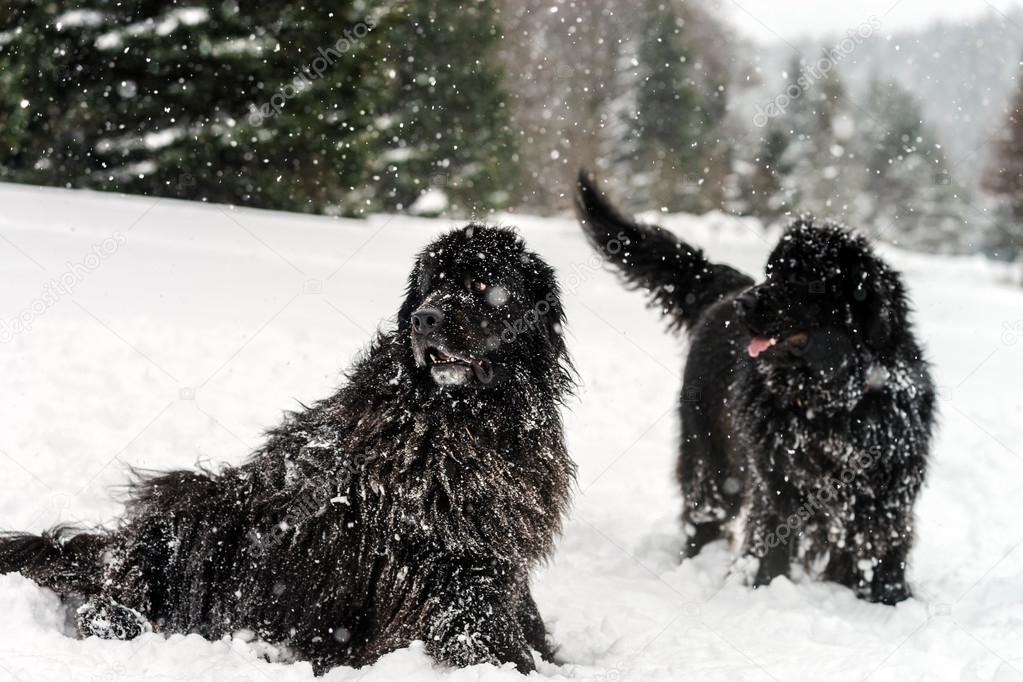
x=67, y=560
x=679, y=278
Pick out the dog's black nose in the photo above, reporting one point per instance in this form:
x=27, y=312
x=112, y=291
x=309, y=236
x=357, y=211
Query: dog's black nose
x=425, y=320
x=744, y=304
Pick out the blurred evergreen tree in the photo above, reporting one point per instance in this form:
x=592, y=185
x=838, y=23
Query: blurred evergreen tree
x=821, y=171
x=673, y=151
x=310, y=106
x=447, y=121
x=764, y=196
x=875, y=166
x=1004, y=179
x=909, y=194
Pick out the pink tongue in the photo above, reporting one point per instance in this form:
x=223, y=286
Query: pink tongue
x=757, y=345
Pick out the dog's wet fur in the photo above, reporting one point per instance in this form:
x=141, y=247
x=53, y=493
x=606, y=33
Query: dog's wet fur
x=410, y=505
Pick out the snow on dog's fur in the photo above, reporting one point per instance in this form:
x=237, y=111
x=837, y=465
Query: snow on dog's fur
x=807, y=406
x=411, y=505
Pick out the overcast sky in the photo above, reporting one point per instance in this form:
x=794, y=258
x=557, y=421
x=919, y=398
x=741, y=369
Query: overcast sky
x=766, y=20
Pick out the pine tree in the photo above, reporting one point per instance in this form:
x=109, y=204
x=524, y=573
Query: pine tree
x=674, y=151
x=310, y=106
x=909, y=195
x=448, y=122
x=1004, y=179
x=46, y=58
x=765, y=197
x=822, y=174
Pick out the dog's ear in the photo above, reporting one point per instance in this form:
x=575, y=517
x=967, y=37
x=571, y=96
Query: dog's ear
x=555, y=326
x=413, y=296
x=547, y=295
x=879, y=308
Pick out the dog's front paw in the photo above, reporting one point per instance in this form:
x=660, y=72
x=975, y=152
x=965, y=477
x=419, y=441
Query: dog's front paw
x=517, y=653
x=888, y=593
x=106, y=619
x=464, y=650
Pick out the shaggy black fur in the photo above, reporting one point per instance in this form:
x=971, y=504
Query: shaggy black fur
x=410, y=505
x=807, y=407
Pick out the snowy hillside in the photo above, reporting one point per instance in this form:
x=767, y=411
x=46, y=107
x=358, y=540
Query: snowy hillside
x=185, y=329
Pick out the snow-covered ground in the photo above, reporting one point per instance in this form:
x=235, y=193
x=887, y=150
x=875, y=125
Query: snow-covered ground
x=185, y=329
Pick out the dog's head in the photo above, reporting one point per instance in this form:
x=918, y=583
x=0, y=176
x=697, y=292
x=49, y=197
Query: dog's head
x=827, y=301
x=480, y=309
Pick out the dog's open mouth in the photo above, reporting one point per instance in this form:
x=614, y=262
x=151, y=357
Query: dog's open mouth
x=452, y=369
x=795, y=343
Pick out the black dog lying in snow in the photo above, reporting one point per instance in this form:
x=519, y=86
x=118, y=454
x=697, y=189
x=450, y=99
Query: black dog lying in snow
x=807, y=407
x=411, y=505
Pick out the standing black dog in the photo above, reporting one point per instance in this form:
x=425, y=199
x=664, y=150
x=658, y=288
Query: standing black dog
x=410, y=505
x=807, y=407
